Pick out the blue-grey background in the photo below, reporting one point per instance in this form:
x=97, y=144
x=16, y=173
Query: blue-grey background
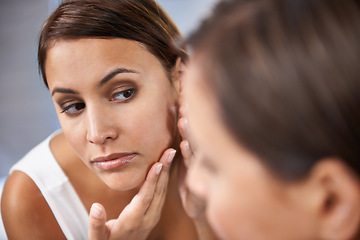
x=26, y=110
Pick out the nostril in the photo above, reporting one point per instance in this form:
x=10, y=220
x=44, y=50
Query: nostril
x=100, y=137
x=91, y=140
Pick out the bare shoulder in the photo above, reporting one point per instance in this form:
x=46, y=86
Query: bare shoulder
x=25, y=213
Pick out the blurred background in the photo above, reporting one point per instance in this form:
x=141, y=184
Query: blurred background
x=26, y=110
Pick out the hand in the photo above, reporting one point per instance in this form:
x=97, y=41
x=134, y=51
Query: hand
x=192, y=204
x=141, y=215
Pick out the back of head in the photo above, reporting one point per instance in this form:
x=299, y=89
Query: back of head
x=287, y=77
x=139, y=20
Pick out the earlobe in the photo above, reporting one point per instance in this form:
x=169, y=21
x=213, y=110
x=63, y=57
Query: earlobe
x=339, y=213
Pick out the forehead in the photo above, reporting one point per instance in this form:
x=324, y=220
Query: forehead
x=203, y=112
x=91, y=58
x=90, y=49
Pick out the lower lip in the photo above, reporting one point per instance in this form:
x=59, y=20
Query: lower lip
x=115, y=163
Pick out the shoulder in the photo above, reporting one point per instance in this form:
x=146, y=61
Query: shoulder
x=36, y=158
x=25, y=212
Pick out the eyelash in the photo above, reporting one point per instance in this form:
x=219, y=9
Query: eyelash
x=132, y=93
x=67, y=108
x=79, y=105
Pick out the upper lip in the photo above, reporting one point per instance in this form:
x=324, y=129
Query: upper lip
x=111, y=157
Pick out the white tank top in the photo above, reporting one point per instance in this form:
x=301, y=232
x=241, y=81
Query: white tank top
x=40, y=165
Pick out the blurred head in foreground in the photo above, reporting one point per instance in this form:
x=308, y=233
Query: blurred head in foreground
x=273, y=92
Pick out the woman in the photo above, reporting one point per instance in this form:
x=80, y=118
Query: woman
x=273, y=105
x=112, y=71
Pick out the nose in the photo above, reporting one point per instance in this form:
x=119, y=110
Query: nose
x=100, y=128
x=197, y=179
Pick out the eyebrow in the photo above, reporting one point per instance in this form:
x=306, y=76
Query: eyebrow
x=103, y=81
x=113, y=74
x=63, y=90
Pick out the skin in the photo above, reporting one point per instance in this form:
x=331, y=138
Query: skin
x=244, y=199
x=128, y=100
x=102, y=120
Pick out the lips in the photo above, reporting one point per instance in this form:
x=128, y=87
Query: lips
x=113, y=161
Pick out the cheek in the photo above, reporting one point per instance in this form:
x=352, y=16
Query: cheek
x=74, y=133
x=251, y=206
x=152, y=126
x=237, y=207
x=223, y=210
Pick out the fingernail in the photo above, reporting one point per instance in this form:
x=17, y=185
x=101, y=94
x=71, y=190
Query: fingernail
x=171, y=156
x=96, y=211
x=158, y=169
x=187, y=144
x=185, y=124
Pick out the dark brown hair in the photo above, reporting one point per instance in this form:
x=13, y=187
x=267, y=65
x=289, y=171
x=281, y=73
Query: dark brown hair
x=286, y=74
x=140, y=20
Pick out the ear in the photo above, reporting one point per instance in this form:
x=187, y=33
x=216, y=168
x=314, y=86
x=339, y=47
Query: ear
x=176, y=75
x=339, y=206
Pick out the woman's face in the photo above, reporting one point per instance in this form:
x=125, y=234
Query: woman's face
x=244, y=200
x=115, y=104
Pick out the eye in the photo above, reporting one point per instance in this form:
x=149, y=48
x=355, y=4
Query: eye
x=73, y=109
x=123, y=95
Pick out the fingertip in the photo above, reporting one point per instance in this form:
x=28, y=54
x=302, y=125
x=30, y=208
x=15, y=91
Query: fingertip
x=184, y=146
x=96, y=211
x=171, y=155
x=179, y=123
x=185, y=122
x=168, y=156
x=97, y=221
x=186, y=152
x=182, y=123
x=158, y=168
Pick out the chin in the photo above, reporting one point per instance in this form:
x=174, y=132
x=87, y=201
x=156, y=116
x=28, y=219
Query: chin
x=122, y=183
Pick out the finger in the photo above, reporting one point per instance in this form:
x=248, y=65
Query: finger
x=148, y=189
x=134, y=213
x=186, y=152
x=159, y=197
x=182, y=170
x=165, y=160
x=183, y=110
x=183, y=128
x=97, y=220
x=138, y=206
